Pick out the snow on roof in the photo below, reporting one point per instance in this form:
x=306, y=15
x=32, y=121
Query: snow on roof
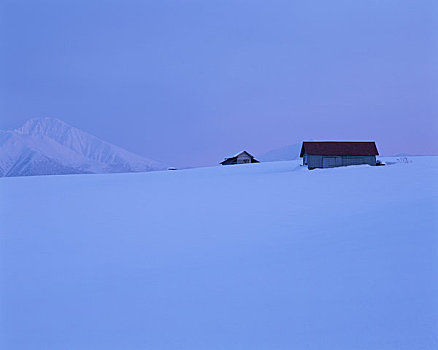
x=238, y=154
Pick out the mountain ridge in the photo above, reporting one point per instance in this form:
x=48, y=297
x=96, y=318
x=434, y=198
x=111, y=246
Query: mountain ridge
x=289, y=152
x=49, y=146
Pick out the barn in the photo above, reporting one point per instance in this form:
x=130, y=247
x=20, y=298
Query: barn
x=330, y=154
x=240, y=158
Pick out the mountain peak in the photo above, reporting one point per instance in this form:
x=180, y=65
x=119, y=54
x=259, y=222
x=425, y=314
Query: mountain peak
x=43, y=126
x=51, y=146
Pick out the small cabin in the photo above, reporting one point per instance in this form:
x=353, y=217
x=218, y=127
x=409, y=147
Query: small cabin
x=240, y=158
x=334, y=154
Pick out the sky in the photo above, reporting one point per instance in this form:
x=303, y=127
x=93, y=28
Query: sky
x=189, y=82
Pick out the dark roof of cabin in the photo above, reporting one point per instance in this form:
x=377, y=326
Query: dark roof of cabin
x=335, y=148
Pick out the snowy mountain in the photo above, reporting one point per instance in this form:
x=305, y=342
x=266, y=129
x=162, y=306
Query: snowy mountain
x=47, y=146
x=289, y=152
x=342, y=259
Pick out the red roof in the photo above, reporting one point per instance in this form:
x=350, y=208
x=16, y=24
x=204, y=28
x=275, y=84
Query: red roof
x=335, y=148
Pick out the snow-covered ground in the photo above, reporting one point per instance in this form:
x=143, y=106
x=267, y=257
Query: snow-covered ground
x=261, y=256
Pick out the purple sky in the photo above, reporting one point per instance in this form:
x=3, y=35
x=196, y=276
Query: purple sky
x=189, y=82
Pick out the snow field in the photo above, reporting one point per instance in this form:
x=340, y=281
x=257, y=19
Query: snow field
x=260, y=256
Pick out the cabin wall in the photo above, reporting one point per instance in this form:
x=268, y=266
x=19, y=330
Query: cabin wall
x=318, y=161
x=243, y=158
x=355, y=160
x=314, y=161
